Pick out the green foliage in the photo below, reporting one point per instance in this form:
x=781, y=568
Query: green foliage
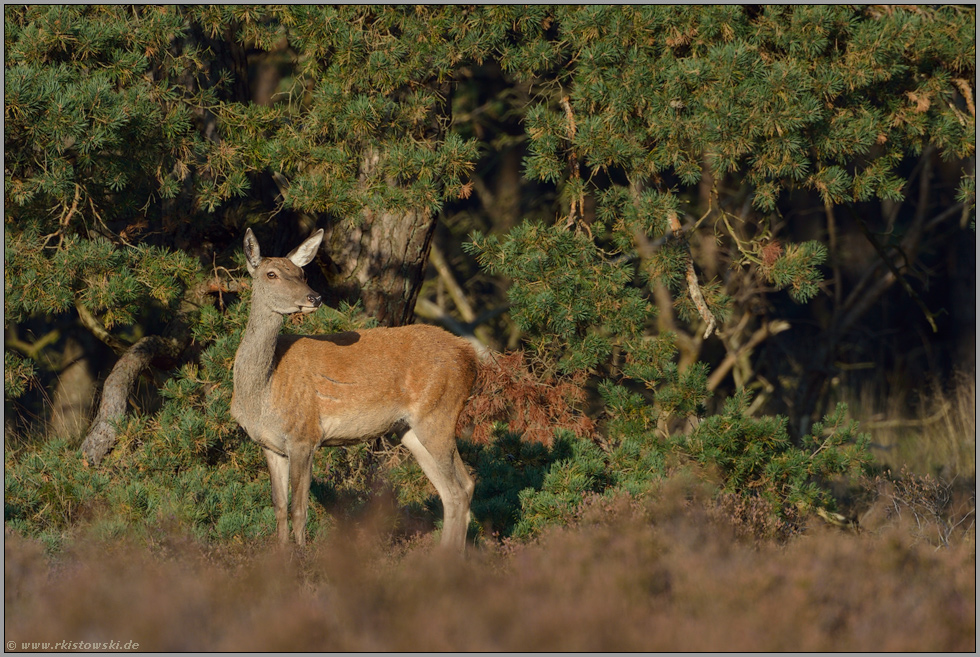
x=85, y=122
x=503, y=469
x=17, y=375
x=756, y=457
x=579, y=468
x=796, y=269
x=119, y=284
x=188, y=464
x=571, y=300
x=131, y=154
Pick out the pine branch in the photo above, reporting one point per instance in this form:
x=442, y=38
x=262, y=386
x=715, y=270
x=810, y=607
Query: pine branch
x=92, y=323
x=693, y=286
x=115, y=393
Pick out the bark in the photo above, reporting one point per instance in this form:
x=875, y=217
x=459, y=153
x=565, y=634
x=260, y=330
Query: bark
x=380, y=260
x=163, y=349
x=115, y=393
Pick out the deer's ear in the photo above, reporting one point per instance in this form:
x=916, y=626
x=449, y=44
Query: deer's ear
x=305, y=252
x=252, y=255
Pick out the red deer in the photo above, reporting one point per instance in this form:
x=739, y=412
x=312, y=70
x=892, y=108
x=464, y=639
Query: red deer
x=296, y=393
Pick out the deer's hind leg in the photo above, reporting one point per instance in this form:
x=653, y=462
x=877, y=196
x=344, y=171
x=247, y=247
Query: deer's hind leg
x=441, y=463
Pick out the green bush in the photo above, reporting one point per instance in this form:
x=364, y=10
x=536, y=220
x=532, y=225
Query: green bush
x=756, y=457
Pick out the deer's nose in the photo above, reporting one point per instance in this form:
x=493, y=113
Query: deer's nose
x=314, y=300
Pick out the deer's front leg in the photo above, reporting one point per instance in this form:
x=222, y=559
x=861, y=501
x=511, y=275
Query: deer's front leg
x=300, y=475
x=279, y=477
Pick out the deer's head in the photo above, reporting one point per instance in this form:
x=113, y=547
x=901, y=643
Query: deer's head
x=279, y=284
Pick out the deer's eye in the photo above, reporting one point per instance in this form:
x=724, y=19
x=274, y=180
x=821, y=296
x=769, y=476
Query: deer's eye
x=272, y=274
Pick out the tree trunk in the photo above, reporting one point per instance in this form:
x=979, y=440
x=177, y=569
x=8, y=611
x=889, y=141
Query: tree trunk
x=118, y=386
x=115, y=393
x=380, y=260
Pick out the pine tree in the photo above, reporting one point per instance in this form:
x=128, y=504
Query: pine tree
x=140, y=143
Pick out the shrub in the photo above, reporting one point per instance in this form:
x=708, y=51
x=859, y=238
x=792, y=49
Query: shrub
x=756, y=457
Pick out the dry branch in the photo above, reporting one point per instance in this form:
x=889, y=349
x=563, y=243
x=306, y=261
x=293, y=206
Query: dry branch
x=645, y=248
x=576, y=211
x=454, y=288
x=760, y=334
x=115, y=393
x=693, y=286
x=119, y=384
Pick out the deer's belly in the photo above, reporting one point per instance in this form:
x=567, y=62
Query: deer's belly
x=356, y=428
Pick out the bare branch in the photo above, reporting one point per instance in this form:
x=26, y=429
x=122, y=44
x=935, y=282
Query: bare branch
x=761, y=334
x=645, y=249
x=576, y=213
x=30, y=349
x=455, y=290
x=115, y=393
x=885, y=258
x=693, y=286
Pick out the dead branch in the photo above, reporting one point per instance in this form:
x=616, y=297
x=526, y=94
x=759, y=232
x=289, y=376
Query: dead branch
x=885, y=258
x=101, y=437
x=693, y=286
x=115, y=393
x=645, y=249
x=576, y=212
x=760, y=335
x=455, y=290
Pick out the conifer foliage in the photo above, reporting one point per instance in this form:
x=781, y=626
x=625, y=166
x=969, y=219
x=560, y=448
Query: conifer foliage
x=138, y=149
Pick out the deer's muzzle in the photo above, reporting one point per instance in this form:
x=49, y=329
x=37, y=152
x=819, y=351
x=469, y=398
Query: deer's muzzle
x=313, y=301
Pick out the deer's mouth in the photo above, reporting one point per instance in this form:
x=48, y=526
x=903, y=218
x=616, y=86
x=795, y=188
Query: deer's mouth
x=313, y=302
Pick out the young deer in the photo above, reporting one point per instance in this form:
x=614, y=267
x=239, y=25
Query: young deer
x=296, y=393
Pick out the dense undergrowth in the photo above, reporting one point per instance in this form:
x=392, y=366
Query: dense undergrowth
x=189, y=463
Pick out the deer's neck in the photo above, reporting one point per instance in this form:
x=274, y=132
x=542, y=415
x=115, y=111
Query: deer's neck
x=253, y=361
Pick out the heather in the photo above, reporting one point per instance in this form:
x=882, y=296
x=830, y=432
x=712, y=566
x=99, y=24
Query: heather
x=670, y=574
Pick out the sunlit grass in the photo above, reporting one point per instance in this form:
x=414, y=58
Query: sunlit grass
x=930, y=431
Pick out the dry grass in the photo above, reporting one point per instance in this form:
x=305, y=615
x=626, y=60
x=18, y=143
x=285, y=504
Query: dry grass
x=660, y=577
x=932, y=432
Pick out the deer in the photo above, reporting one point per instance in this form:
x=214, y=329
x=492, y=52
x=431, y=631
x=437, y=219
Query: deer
x=294, y=394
